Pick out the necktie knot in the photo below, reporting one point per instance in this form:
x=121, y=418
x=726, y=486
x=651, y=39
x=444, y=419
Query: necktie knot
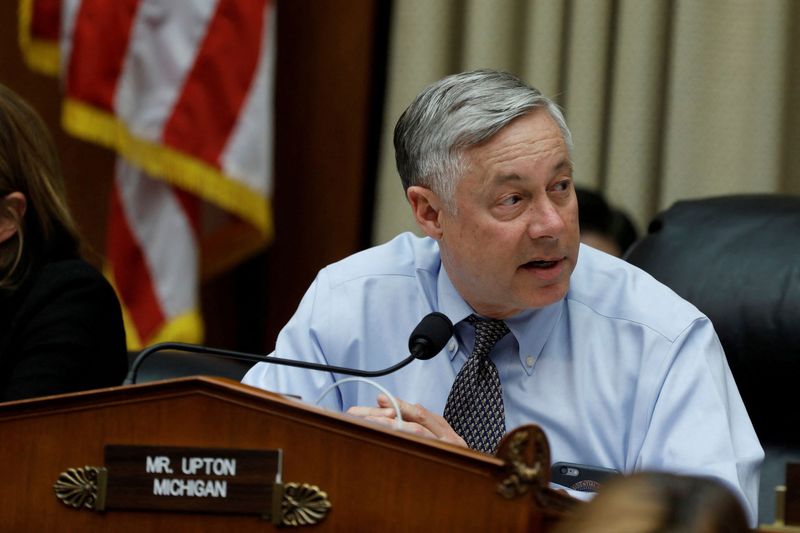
x=487, y=333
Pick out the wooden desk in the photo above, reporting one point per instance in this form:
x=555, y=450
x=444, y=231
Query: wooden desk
x=375, y=479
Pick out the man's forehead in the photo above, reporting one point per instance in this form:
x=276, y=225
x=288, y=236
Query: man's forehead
x=536, y=126
x=500, y=159
x=562, y=167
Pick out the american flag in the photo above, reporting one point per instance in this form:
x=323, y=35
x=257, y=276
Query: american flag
x=183, y=92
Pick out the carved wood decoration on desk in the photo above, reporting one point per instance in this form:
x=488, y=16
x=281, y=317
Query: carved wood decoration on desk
x=526, y=453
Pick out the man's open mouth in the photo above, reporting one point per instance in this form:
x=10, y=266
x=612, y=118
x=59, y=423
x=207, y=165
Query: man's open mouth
x=541, y=264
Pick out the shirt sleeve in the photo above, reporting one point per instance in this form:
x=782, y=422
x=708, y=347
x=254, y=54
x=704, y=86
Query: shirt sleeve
x=305, y=337
x=699, y=425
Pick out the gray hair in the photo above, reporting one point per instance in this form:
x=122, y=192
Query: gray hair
x=455, y=113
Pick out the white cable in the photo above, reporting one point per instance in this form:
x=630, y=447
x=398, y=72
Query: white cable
x=399, y=417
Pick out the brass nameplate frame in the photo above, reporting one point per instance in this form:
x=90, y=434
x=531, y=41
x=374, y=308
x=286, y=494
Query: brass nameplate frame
x=168, y=478
x=209, y=480
x=200, y=480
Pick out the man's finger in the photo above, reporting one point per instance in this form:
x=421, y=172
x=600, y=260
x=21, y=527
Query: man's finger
x=363, y=411
x=434, y=424
x=409, y=427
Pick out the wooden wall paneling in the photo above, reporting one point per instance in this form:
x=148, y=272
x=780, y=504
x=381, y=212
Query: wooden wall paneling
x=329, y=87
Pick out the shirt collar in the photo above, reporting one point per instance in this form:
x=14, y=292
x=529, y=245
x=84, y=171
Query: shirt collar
x=450, y=301
x=531, y=328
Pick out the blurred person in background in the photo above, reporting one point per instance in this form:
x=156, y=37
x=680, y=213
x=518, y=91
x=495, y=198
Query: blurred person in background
x=602, y=226
x=61, y=325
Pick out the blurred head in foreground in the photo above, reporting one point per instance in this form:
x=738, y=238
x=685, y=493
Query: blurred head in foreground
x=659, y=503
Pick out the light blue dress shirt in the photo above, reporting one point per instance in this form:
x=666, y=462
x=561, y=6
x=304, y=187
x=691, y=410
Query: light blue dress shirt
x=622, y=373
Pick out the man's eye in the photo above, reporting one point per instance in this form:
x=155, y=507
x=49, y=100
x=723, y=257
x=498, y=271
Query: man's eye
x=510, y=200
x=561, y=186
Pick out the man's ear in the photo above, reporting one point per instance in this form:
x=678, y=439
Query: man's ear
x=427, y=209
x=12, y=209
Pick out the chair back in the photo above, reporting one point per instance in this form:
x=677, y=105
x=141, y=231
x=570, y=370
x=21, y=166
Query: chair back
x=170, y=364
x=737, y=258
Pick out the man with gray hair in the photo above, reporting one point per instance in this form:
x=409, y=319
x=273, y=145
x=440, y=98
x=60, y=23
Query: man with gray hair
x=619, y=371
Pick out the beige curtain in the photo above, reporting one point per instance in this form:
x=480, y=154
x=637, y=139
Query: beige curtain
x=667, y=100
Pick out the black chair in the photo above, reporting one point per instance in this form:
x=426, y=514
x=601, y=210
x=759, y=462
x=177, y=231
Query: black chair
x=169, y=364
x=737, y=258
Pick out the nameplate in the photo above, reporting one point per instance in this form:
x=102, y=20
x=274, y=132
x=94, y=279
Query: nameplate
x=207, y=480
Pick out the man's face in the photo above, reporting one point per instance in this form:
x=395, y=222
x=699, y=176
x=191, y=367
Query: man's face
x=513, y=240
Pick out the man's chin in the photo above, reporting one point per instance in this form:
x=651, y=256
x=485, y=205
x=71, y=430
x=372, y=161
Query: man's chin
x=548, y=295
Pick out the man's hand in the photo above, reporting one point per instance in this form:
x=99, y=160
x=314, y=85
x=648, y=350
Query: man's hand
x=416, y=419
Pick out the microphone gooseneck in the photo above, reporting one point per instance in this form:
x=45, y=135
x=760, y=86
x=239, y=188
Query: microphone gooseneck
x=427, y=340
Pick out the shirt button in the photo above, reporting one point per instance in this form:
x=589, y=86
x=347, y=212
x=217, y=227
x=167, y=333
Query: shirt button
x=452, y=346
x=530, y=360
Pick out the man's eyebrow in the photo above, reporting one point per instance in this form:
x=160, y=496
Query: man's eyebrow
x=505, y=178
x=564, y=165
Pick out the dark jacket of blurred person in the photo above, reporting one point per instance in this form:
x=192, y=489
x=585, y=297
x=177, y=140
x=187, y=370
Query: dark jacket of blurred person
x=61, y=325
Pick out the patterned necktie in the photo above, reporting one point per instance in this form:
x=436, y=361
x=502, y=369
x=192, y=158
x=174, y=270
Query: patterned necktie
x=474, y=407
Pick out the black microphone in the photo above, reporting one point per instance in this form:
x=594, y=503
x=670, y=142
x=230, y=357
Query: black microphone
x=427, y=340
x=430, y=336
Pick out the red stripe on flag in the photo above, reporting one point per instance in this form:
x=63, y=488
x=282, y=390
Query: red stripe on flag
x=219, y=81
x=131, y=273
x=99, y=46
x=191, y=208
x=46, y=20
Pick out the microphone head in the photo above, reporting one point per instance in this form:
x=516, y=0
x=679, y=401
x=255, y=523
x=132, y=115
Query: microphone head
x=430, y=336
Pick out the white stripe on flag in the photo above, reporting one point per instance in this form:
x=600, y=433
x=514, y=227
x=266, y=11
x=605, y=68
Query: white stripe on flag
x=165, y=236
x=69, y=14
x=247, y=156
x=160, y=57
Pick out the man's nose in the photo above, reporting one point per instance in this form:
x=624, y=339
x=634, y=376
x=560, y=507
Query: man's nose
x=546, y=220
